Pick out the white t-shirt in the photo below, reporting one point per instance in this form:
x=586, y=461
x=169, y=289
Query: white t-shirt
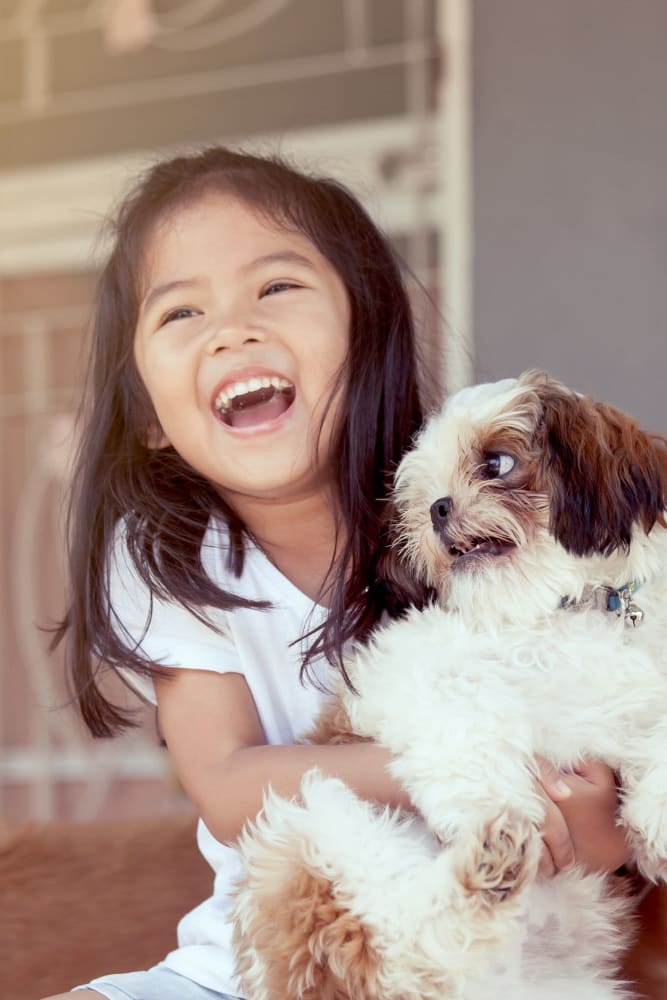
x=256, y=644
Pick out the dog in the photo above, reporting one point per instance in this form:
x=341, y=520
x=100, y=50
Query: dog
x=537, y=517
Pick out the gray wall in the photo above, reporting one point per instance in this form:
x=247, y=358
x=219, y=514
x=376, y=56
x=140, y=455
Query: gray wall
x=571, y=195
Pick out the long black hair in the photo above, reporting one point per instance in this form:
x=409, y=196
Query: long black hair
x=164, y=504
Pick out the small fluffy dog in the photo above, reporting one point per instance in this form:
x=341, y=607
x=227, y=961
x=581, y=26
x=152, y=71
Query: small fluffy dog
x=534, y=514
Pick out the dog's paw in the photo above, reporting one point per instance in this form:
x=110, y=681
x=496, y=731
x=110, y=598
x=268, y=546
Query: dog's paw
x=644, y=815
x=501, y=858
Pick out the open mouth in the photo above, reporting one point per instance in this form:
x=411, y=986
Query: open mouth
x=257, y=400
x=479, y=547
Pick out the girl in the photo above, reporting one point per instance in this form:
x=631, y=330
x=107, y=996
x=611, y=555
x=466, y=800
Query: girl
x=252, y=387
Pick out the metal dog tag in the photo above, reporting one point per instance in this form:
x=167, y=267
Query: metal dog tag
x=634, y=615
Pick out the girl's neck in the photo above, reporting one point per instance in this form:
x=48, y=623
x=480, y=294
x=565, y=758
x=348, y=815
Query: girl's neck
x=298, y=536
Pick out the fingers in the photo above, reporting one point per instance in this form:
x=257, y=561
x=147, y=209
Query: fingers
x=581, y=823
x=597, y=773
x=553, y=782
x=558, y=853
x=592, y=818
x=546, y=867
x=558, y=848
x=580, y=817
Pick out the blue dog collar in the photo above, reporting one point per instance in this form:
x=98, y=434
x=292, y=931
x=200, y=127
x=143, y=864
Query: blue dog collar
x=618, y=600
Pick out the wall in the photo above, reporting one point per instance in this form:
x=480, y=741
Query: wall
x=570, y=161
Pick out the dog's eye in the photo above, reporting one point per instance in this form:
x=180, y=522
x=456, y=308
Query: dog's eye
x=499, y=465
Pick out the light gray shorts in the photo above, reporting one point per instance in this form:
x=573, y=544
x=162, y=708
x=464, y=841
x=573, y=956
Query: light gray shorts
x=158, y=983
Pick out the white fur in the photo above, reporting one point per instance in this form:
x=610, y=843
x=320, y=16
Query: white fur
x=465, y=695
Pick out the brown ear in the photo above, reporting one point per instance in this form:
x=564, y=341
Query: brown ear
x=401, y=587
x=603, y=473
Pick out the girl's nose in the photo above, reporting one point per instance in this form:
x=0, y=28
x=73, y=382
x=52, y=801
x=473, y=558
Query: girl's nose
x=230, y=335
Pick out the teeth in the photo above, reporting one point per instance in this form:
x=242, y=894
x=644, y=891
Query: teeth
x=455, y=551
x=224, y=398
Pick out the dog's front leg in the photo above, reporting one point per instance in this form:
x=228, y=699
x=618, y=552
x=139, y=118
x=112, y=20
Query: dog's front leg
x=477, y=793
x=459, y=734
x=643, y=809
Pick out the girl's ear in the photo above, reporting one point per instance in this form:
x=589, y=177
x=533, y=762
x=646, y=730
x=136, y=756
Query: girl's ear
x=603, y=474
x=156, y=438
x=141, y=415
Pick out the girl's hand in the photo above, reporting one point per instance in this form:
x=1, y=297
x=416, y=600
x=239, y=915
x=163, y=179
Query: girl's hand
x=580, y=821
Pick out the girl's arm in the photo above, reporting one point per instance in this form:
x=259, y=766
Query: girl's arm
x=215, y=739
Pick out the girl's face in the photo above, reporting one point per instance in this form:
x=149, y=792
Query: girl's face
x=242, y=330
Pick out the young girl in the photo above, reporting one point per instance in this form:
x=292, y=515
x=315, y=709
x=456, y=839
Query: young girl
x=252, y=388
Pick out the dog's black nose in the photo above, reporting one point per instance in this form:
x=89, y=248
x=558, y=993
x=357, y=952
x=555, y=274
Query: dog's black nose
x=439, y=512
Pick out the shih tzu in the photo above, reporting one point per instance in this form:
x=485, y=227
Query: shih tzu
x=535, y=515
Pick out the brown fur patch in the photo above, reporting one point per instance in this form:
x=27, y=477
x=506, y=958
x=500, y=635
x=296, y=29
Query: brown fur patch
x=313, y=948
x=603, y=473
x=502, y=859
x=333, y=726
x=403, y=588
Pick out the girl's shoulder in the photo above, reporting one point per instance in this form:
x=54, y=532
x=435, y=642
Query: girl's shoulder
x=247, y=640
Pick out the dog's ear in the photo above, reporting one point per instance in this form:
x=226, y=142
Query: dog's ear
x=401, y=588
x=603, y=473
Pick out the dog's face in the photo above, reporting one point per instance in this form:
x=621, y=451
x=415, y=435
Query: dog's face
x=519, y=493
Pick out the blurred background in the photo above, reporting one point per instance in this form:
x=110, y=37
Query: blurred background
x=515, y=150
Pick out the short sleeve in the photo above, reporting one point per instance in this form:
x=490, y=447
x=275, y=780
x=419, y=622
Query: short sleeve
x=163, y=631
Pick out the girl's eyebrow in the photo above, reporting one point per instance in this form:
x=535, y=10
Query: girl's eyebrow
x=169, y=286
x=280, y=257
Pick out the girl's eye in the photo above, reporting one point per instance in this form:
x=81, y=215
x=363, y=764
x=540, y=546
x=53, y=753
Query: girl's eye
x=183, y=312
x=498, y=464
x=278, y=286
